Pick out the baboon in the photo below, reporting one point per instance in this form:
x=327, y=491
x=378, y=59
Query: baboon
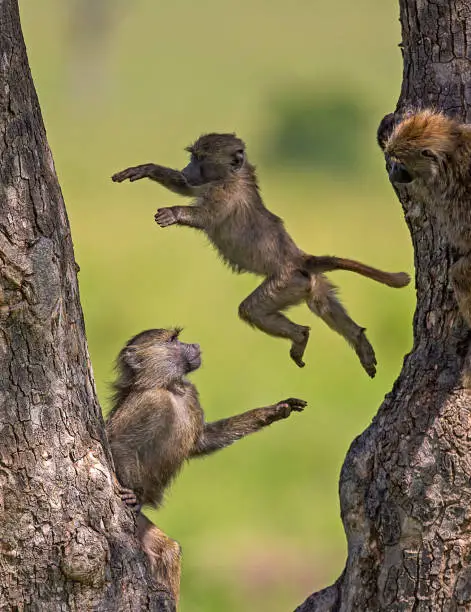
x=157, y=423
x=229, y=209
x=431, y=153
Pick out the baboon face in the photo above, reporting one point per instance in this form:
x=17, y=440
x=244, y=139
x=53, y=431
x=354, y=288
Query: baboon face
x=158, y=355
x=214, y=157
x=421, y=146
x=414, y=164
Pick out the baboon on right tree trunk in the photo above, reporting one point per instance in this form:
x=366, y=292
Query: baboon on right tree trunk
x=430, y=153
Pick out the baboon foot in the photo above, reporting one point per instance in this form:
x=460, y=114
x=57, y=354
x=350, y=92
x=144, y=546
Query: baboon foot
x=366, y=354
x=297, y=348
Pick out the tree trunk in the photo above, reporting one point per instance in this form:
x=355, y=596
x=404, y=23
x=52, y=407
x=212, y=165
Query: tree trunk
x=66, y=540
x=405, y=486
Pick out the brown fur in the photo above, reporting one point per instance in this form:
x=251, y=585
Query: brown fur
x=435, y=150
x=164, y=555
x=157, y=423
x=424, y=130
x=229, y=209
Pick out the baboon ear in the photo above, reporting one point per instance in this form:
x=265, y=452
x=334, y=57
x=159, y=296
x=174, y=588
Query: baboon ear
x=385, y=129
x=238, y=159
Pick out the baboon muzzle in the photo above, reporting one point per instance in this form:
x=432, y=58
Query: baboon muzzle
x=398, y=173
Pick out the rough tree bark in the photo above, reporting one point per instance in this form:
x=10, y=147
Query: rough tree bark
x=405, y=486
x=66, y=541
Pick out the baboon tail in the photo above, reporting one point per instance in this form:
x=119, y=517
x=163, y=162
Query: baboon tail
x=325, y=263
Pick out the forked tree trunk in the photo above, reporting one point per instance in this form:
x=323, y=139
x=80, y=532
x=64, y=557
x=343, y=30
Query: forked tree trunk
x=405, y=486
x=66, y=541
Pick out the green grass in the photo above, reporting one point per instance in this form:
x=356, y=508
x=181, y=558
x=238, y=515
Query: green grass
x=259, y=523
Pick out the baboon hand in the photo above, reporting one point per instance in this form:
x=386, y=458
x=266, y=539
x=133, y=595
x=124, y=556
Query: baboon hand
x=165, y=217
x=133, y=174
x=129, y=498
x=285, y=407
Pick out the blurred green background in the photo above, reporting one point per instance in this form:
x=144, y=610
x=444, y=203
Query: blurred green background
x=305, y=83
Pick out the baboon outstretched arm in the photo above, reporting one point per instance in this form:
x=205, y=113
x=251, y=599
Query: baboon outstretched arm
x=167, y=177
x=192, y=216
x=220, y=434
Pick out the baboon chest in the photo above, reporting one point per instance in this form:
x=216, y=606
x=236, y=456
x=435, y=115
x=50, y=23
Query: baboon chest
x=187, y=422
x=172, y=444
x=242, y=243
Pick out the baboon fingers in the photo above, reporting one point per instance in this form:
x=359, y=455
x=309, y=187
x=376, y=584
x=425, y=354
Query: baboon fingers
x=133, y=174
x=165, y=217
x=119, y=177
x=293, y=403
x=130, y=499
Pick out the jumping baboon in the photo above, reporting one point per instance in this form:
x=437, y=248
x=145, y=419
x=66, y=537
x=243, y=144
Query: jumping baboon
x=229, y=209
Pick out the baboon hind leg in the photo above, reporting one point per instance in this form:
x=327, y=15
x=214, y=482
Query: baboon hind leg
x=262, y=310
x=164, y=555
x=461, y=280
x=324, y=303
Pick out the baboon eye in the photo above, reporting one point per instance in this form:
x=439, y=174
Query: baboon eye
x=427, y=153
